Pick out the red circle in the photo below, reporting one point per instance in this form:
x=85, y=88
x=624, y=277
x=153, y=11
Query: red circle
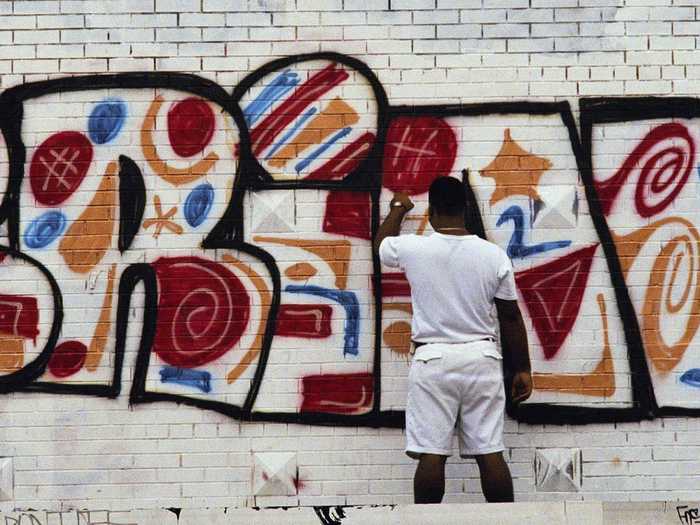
x=67, y=358
x=58, y=166
x=418, y=150
x=191, y=125
x=203, y=310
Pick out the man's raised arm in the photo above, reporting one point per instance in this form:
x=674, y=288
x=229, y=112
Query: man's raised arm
x=400, y=206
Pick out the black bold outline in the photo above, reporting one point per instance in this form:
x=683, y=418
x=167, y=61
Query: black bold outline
x=228, y=234
x=132, y=201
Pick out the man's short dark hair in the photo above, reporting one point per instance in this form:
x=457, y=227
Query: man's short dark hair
x=446, y=196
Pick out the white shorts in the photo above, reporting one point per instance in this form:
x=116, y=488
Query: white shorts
x=455, y=386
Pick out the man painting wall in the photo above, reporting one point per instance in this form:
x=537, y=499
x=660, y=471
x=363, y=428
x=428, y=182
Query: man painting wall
x=456, y=377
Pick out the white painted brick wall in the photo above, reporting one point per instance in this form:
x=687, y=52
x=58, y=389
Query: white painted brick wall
x=94, y=453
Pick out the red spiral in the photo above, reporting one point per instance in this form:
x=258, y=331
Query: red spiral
x=203, y=310
x=665, y=159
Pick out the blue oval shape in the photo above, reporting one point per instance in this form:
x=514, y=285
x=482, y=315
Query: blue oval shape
x=198, y=204
x=691, y=377
x=45, y=229
x=106, y=120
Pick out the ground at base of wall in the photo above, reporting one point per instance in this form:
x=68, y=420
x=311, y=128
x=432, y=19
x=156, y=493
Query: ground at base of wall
x=549, y=513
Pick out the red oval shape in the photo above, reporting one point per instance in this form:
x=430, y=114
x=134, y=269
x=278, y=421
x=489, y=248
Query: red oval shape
x=58, y=166
x=67, y=358
x=203, y=310
x=191, y=124
x=418, y=150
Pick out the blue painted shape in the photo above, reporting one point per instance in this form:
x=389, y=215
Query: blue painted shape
x=691, y=377
x=347, y=300
x=199, y=379
x=319, y=151
x=45, y=229
x=198, y=204
x=516, y=247
x=106, y=120
x=268, y=96
x=281, y=142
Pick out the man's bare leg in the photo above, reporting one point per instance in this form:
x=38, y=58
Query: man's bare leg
x=495, y=478
x=429, y=481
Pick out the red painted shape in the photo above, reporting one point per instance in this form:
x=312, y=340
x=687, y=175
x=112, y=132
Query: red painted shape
x=678, y=156
x=203, y=310
x=312, y=321
x=395, y=284
x=67, y=359
x=314, y=88
x=19, y=316
x=191, y=125
x=346, y=161
x=417, y=151
x=338, y=393
x=58, y=166
x=553, y=293
x=348, y=213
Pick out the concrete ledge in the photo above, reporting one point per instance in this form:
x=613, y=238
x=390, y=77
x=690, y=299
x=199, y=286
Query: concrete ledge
x=545, y=513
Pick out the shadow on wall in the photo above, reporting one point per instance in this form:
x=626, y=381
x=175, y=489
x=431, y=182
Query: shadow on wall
x=225, y=241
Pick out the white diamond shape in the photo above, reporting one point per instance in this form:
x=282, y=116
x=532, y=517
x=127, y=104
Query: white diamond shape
x=273, y=212
x=558, y=208
x=274, y=474
x=558, y=470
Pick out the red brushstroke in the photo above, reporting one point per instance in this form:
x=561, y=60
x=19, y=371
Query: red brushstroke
x=67, y=359
x=338, y=393
x=314, y=88
x=299, y=484
x=346, y=161
x=58, y=166
x=553, y=293
x=395, y=284
x=19, y=316
x=348, y=213
x=203, y=310
x=417, y=151
x=312, y=321
x=191, y=125
x=679, y=159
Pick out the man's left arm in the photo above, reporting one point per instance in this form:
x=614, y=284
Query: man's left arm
x=400, y=205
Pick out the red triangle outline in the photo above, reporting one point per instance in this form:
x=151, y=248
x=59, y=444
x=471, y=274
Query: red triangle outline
x=553, y=293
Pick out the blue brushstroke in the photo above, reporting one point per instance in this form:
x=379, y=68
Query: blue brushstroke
x=691, y=377
x=347, y=300
x=335, y=138
x=199, y=379
x=271, y=94
x=516, y=248
x=45, y=229
x=300, y=122
x=106, y=120
x=198, y=204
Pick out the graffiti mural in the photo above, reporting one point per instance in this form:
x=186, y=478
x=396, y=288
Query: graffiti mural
x=216, y=247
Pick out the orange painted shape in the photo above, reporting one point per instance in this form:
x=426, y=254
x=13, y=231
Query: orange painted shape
x=664, y=357
x=515, y=171
x=397, y=336
x=162, y=220
x=300, y=271
x=99, y=337
x=337, y=115
x=87, y=240
x=598, y=383
x=11, y=353
x=171, y=174
x=335, y=253
x=266, y=301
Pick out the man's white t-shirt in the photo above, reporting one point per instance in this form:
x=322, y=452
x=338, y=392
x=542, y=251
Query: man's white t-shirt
x=454, y=280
